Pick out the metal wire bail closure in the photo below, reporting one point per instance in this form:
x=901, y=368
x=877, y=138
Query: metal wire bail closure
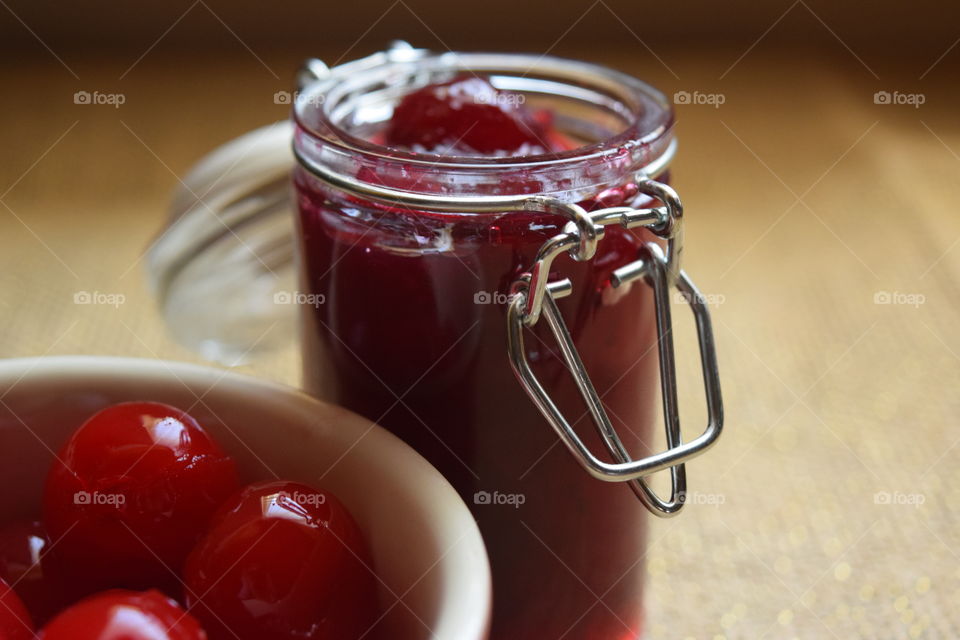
x=661, y=272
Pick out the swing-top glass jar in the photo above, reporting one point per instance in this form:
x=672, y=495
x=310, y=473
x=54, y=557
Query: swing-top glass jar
x=469, y=303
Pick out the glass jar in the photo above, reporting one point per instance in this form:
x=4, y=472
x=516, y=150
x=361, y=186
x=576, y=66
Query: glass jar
x=430, y=285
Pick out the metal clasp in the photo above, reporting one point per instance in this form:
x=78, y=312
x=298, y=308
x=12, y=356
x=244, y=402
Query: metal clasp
x=532, y=297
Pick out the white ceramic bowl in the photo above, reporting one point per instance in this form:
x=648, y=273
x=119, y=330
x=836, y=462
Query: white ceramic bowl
x=426, y=547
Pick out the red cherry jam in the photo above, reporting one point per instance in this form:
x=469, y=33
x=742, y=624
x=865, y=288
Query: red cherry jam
x=413, y=336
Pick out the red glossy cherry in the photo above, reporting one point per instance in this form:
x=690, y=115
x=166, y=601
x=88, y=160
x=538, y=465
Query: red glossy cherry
x=466, y=116
x=15, y=623
x=282, y=560
x=124, y=615
x=22, y=547
x=130, y=494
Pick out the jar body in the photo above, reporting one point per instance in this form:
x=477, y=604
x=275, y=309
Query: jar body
x=411, y=333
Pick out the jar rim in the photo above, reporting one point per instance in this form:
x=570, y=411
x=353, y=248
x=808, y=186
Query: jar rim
x=647, y=134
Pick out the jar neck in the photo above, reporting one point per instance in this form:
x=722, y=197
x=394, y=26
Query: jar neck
x=621, y=124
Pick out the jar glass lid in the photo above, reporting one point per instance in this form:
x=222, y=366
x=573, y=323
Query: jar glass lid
x=225, y=260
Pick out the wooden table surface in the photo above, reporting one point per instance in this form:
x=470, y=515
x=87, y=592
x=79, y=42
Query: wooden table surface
x=824, y=225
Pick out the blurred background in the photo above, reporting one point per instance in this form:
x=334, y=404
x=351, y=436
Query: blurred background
x=819, y=166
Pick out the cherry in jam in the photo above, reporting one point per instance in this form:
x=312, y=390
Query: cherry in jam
x=15, y=622
x=124, y=615
x=467, y=116
x=23, y=547
x=282, y=560
x=129, y=495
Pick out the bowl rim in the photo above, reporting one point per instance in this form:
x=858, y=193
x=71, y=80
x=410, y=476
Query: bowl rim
x=469, y=618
